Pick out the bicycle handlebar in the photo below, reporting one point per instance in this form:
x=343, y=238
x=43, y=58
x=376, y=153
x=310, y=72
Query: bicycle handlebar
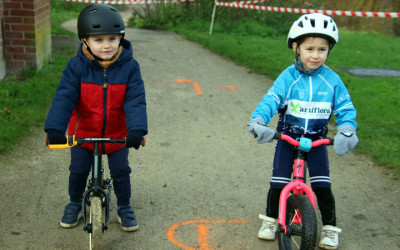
x=297, y=143
x=72, y=142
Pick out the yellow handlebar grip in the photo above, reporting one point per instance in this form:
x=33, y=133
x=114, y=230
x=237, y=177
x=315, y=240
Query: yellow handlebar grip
x=70, y=143
x=59, y=146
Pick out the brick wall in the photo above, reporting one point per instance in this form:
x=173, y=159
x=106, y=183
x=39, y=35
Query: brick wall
x=2, y=59
x=27, y=34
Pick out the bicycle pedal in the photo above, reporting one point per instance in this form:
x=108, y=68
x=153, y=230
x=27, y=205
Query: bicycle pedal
x=88, y=228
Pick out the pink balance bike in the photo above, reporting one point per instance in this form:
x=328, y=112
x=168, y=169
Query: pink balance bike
x=297, y=221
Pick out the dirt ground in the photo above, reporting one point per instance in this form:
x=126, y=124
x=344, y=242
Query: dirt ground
x=201, y=180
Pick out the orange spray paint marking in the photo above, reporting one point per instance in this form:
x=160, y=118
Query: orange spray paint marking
x=202, y=229
x=202, y=232
x=231, y=88
x=195, y=84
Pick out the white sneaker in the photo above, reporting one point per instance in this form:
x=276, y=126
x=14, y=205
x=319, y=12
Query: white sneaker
x=268, y=228
x=329, y=237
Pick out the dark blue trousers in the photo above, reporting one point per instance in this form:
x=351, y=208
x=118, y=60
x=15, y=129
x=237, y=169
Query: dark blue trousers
x=81, y=162
x=317, y=163
x=318, y=169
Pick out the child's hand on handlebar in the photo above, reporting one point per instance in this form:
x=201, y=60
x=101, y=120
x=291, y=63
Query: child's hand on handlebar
x=261, y=131
x=345, y=139
x=56, y=137
x=134, y=139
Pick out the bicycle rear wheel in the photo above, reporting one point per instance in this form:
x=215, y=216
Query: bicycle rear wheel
x=96, y=220
x=303, y=235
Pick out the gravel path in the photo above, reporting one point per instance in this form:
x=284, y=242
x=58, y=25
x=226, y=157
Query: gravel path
x=201, y=180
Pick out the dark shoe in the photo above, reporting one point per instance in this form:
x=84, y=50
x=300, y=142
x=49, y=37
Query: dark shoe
x=127, y=219
x=72, y=214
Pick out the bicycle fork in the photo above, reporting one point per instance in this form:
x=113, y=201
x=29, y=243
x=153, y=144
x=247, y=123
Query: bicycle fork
x=297, y=186
x=97, y=187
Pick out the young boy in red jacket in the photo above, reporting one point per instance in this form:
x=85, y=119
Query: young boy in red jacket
x=101, y=94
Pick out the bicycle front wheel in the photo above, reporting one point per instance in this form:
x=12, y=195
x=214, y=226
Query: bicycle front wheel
x=301, y=235
x=96, y=220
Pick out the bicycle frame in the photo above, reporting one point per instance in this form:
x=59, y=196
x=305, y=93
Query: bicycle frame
x=298, y=185
x=97, y=195
x=97, y=186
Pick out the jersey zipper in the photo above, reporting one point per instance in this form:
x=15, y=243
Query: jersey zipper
x=105, y=86
x=310, y=99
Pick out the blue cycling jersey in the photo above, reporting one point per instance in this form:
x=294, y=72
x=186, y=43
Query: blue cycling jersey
x=306, y=102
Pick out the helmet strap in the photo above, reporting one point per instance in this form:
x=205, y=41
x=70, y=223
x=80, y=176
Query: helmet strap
x=91, y=53
x=300, y=67
x=94, y=56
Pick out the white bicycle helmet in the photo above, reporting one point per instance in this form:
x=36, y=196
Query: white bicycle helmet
x=314, y=25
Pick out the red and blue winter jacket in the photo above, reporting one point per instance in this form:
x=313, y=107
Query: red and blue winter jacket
x=92, y=101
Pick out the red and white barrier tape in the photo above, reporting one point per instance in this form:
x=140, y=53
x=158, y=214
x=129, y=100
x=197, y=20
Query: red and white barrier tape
x=250, y=2
x=308, y=11
x=129, y=1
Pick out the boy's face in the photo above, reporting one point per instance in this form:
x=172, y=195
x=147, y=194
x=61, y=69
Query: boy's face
x=103, y=46
x=313, y=52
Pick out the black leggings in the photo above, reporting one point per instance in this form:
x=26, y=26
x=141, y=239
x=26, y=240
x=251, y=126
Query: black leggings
x=325, y=199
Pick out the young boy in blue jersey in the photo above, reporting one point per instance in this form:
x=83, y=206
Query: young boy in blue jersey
x=101, y=94
x=305, y=95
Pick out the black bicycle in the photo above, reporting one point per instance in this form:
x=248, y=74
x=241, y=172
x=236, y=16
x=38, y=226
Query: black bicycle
x=97, y=196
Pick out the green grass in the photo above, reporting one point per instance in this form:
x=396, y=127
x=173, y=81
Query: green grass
x=258, y=44
x=254, y=51
x=376, y=99
x=264, y=51
x=61, y=12
x=25, y=101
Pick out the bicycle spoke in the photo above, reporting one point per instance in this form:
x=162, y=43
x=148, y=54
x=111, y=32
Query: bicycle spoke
x=296, y=217
x=295, y=242
x=301, y=224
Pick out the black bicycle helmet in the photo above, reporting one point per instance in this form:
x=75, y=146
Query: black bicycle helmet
x=97, y=19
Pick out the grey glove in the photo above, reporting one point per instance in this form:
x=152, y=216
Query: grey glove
x=345, y=139
x=261, y=131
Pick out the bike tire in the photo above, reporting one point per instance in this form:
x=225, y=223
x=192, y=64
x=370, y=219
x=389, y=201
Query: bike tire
x=96, y=220
x=304, y=235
